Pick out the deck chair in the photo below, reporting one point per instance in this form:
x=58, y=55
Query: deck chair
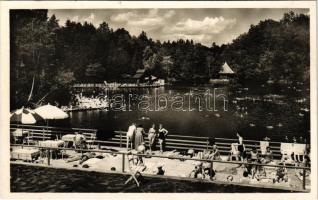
x=263, y=145
x=299, y=152
x=135, y=173
x=234, y=153
x=286, y=150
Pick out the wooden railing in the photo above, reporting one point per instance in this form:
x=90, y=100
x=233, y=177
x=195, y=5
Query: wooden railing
x=183, y=142
x=178, y=142
x=124, y=154
x=35, y=133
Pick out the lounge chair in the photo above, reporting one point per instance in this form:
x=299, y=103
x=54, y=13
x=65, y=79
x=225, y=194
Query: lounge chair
x=263, y=146
x=235, y=153
x=135, y=172
x=286, y=150
x=299, y=151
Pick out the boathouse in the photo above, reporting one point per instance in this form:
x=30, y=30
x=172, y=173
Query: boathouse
x=139, y=75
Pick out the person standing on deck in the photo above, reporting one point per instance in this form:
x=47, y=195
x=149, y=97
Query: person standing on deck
x=139, y=137
x=240, y=145
x=130, y=135
x=152, y=137
x=162, y=133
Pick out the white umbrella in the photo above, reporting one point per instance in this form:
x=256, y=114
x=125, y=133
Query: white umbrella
x=51, y=112
x=25, y=116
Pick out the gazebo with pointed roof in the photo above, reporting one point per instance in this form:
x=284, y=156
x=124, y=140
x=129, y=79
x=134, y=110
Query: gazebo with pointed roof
x=226, y=71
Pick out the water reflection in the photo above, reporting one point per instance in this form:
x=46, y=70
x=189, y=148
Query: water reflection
x=256, y=113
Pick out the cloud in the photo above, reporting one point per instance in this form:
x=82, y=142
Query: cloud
x=202, y=30
x=123, y=17
x=208, y=25
x=90, y=18
x=153, y=19
x=75, y=18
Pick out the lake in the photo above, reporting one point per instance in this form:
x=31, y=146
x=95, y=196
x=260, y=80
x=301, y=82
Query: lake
x=253, y=112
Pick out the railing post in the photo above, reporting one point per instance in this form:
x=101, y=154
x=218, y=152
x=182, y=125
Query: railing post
x=211, y=169
x=123, y=163
x=304, y=179
x=120, y=140
x=48, y=156
x=207, y=143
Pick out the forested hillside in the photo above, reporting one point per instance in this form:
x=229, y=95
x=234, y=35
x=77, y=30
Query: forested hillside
x=58, y=56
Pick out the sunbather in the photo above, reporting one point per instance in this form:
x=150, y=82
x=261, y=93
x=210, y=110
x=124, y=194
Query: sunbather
x=81, y=158
x=197, y=172
x=268, y=156
x=162, y=134
x=254, y=154
x=281, y=173
x=152, y=137
x=215, y=154
x=130, y=135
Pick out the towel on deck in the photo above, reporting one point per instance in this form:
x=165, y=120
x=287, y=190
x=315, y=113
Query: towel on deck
x=51, y=143
x=263, y=146
x=68, y=137
x=286, y=148
x=299, y=149
x=24, y=154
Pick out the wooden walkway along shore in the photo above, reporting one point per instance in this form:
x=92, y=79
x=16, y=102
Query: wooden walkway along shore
x=174, y=142
x=178, y=142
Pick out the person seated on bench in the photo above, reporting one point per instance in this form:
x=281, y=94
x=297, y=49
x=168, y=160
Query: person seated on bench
x=215, y=154
x=268, y=156
x=254, y=154
x=79, y=141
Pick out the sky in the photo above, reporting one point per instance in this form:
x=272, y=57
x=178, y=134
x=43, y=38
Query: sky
x=205, y=26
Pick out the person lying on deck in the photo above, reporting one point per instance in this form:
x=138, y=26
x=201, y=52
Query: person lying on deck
x=81, y=158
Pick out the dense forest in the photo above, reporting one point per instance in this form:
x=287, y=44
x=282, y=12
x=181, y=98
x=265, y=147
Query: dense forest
x=55, y=56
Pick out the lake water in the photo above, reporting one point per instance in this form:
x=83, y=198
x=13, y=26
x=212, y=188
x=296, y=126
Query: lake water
x=41, y=179
x=253, y=119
